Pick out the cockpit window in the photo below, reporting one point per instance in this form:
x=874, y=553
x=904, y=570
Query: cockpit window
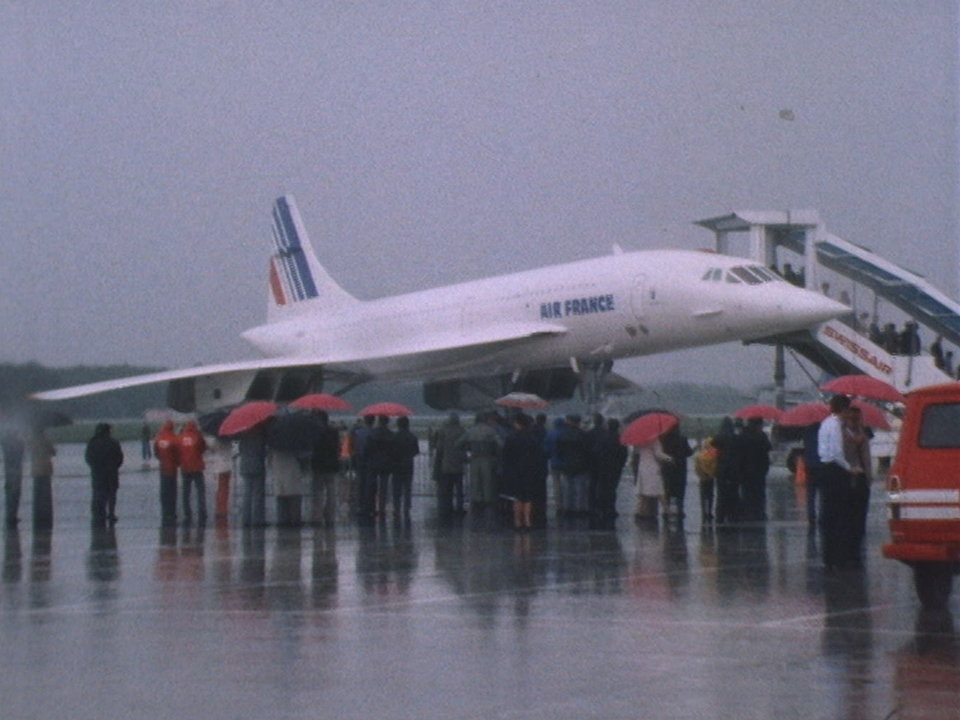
x=745, y=275
x=764, y=273
x=713, y=275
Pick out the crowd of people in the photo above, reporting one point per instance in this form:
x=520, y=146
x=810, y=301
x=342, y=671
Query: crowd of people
x=496, y=466
x=511, y=461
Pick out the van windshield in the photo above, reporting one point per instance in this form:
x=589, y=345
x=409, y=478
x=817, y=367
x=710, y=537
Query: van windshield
x=940, y=426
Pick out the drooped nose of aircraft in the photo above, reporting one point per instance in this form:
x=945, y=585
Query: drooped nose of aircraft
x=802, y=308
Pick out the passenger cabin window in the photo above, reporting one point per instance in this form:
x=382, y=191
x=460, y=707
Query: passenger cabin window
x=940, y=426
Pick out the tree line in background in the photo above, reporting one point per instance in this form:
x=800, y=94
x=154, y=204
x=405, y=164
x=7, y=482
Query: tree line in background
x=17, y=381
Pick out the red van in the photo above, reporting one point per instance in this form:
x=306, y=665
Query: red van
x=924, y=492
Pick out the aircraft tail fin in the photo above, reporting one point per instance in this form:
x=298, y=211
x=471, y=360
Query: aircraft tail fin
x=297, y=279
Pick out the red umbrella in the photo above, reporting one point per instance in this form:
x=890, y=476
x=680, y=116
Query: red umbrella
x=320, y=401
x=864, y=386
x=522, y=400
x=386, y=408
x=764, y=412
x=806, y=414
x=247, y=416
x=872, y=415
x=810, y=413
x=647, y=428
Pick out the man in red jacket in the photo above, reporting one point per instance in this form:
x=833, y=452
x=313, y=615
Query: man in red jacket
x=192, y=447
x=166, y=448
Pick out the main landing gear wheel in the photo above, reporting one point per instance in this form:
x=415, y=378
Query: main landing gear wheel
x=933, y=582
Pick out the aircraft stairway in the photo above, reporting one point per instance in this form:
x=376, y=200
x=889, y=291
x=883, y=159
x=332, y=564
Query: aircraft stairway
x=837, y=348
x=849, y=344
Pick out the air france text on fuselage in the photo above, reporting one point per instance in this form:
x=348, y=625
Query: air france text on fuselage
x=576, y=306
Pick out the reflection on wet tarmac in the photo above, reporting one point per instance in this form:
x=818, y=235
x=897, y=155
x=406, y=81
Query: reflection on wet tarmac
x=462, y=620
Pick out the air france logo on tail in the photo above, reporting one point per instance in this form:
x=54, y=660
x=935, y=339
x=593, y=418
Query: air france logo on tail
x=290, y=276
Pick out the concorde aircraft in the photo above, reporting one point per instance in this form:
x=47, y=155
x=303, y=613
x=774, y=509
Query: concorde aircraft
x=549, y=331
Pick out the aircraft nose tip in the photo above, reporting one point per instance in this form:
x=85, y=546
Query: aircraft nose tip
x=817, y=308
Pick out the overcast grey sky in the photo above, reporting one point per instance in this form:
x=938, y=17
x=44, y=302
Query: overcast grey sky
x=432, y=142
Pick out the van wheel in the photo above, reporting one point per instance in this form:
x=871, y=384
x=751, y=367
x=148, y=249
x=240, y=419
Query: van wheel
x=933, y=582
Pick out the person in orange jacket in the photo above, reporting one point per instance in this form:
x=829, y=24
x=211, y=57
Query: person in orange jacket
x=192, y=465
x=166, y=448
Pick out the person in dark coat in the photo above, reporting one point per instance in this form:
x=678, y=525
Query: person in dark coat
x=811, y=461
x=378, y=458
x=407, y=447
x=555, y=469
x=104, y=456
x=728, y=472
x=539, y=430
x=252, y=453
x=676, y=445
x=523, y=462
x=574, y=454
x=755, y=464
x=450, y=459
x=597, y=428
x=610, y=455
x=324, y=470
x=13, y=449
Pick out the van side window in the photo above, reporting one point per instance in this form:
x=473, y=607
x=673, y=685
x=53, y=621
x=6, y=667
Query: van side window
x=940, y=426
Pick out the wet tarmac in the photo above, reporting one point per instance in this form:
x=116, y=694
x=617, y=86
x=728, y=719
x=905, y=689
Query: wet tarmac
x=471, y=620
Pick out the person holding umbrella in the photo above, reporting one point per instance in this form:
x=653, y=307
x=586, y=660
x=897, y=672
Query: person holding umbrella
x=644, y=434
x=523, y=462
x=835, y=487
x=378, y=458
x=648, y=461
x=246, y=424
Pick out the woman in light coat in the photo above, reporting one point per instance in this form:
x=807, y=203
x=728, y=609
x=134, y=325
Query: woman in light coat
x=648, y=461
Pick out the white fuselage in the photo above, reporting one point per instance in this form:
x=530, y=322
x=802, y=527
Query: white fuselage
x=622, y=305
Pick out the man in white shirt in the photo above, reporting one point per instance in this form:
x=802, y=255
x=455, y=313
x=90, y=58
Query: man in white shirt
x=835, y=490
